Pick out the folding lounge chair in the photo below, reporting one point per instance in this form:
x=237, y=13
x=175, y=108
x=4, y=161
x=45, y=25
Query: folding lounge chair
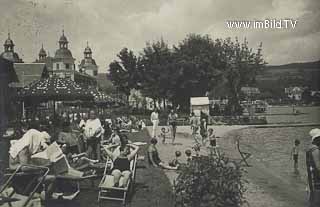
x=107, y=192
x=9, y=196
x=244, y=155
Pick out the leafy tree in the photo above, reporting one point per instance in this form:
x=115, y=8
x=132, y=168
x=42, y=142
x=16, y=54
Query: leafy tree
x=124, y=74
x=198, y=67
x=158, y=71
x=240, y=66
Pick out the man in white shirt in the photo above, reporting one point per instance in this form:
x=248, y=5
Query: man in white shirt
x=155, y=121
x=92, y=133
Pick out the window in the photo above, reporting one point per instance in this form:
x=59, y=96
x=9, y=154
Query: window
x=57, y=66
x=67, y=66
x=95, y=73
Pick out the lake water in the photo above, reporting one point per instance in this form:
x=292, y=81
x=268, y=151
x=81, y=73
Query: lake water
x=284, y=114
x=272, y=147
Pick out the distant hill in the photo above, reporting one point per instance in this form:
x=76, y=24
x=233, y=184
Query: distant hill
x=305, y=65
x=293, y=74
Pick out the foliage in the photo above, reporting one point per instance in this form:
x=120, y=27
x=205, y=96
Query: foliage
x=196, y=66
x=124, y=73
x=210, y=181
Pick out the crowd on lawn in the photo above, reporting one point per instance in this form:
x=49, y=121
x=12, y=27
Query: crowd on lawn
x=89, y=141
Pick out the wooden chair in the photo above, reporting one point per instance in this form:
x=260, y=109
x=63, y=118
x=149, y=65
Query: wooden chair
x=244, y=155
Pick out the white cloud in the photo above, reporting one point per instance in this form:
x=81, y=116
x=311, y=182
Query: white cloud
x=110, y=25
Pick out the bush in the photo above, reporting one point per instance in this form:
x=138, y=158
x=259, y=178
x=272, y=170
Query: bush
x=210, y=181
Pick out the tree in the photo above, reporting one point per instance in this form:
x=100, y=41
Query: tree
x=198, y=67
x=157, y=71
x=240, y=65
x=124, y=73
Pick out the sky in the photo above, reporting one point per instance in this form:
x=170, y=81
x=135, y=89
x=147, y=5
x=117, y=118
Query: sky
x=110, y=25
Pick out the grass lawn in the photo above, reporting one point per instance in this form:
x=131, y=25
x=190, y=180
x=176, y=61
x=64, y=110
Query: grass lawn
x=152, y=187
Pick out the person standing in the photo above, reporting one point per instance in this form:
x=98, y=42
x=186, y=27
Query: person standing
x=92, y=133
x=313, y=167
x=172, y=122
x=155, y=121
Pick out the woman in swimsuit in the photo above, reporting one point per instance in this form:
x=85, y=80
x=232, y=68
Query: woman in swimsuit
x=121, y=163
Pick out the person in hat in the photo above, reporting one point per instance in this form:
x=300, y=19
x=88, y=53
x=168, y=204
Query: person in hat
x=313, y=167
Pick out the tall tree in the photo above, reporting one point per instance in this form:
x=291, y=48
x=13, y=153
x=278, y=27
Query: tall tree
x=198, y=66
x=124, y=73
x=157, y=63
x=241, y=65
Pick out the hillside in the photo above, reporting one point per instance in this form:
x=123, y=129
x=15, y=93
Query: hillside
x=294, y=74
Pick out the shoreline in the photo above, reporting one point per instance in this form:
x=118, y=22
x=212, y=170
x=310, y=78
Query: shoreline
x=264, y=187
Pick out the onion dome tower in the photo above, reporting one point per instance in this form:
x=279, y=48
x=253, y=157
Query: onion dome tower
x=63, y=56
x=42, y=54
x=88, y=64
x=9, y=53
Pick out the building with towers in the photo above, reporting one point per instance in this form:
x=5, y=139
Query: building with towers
x=88, y=64
x=9, y=53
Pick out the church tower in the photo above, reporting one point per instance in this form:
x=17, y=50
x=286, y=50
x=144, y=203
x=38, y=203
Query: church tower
x=88, y=64
x=9, y=53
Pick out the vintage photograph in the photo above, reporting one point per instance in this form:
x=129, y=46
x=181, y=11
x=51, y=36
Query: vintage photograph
x=160, y=103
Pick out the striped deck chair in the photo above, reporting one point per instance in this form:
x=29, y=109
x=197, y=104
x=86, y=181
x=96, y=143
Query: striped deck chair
x=106, y=189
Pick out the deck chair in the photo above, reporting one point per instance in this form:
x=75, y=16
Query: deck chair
x=74, y=175
x=244, y=155
x=107, y=192
x=9, y=196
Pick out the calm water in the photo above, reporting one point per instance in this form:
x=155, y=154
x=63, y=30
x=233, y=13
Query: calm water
x=284, y=114
x=272, y=147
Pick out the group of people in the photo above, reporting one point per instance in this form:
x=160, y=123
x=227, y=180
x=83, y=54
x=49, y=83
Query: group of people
x=172, y=122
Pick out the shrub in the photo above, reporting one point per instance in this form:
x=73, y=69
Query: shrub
x=210, y=181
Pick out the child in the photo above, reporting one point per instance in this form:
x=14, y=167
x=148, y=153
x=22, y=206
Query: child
x=175, y=162
x=295, y=154
x=213, y=142
x=163, y=134
x=188, y=154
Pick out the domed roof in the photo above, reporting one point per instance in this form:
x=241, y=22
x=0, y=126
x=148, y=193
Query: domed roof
x=11, y=56
x=87, y=62
x=42, y=52
x=8, y=41
x=63, y=53
x=63, y=38
x=87, y=50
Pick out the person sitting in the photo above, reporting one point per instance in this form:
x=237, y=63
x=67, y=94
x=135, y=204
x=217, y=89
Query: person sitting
x=188, y=153
x=77, y=161
x=114, y=138
x=121, y=163
x=21, y=150
x=153, y=156
x=176, y=162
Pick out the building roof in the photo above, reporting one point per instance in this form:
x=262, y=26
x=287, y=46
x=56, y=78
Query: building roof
x=8, y=41
x=199, y=101
x=63, y=39
x=87, y=62
x=63, y=53
x=29, y=72
x=6, y=68
x=11, y=56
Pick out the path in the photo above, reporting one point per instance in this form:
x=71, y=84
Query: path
x=265, y=187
